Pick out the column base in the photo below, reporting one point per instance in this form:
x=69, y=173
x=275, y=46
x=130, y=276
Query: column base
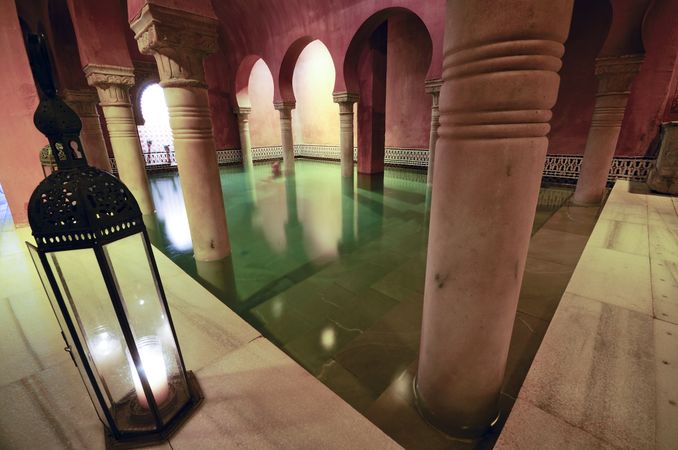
x=574, y=202
x=462, y=433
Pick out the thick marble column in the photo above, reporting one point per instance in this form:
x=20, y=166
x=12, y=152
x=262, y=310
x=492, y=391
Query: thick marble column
x=243, y=114
x=346, y=134
x=433, y=87
x=500, y=82
x=285, y=109
x=84, y=103
x=615, y=75
x=113, y=85
x=179, y=41
x=663, y=177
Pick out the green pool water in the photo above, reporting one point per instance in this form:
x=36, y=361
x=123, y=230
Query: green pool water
x=331, y=271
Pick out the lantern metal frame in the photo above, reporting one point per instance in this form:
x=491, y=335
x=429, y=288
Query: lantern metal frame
x=82, y=207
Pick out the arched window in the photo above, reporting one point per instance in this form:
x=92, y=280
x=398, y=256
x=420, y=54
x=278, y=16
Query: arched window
x=156, y=135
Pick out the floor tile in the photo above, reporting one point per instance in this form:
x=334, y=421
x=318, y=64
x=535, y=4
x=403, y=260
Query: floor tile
x=666, y=357
x=614, y=277
x=259, y=398
x=526, y=337
x=544, y=283
x=557, y=246
x=620, y=236
x=665, y=289
x=595, y=370
x=528, y=427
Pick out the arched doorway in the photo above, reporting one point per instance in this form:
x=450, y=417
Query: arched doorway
x=386, y=64
x=314, y=120
x=155, y=134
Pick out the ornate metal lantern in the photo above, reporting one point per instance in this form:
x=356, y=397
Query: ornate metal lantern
x=47, y=160
x=95, y=260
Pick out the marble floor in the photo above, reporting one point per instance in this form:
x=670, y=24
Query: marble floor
x=333, y=274
x=606, y=374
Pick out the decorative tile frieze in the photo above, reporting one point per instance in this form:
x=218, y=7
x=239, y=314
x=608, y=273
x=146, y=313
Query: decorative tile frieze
x=264, y=153
x=558, y=168
x=229, y=156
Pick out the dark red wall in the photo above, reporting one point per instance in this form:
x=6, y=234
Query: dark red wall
x=576, y=96
x=408, y=106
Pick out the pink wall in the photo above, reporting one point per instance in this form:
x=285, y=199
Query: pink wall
x=100, y=27
x=269, y=28
x=20, y=141
x=576, y=97
x=315, y=120
x=264, y=119
x=408, y=107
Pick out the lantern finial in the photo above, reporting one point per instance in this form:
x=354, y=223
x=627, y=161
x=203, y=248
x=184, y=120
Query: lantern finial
x=53, y=117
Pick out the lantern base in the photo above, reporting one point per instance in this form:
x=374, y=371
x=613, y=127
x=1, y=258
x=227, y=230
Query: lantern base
x=160, y=436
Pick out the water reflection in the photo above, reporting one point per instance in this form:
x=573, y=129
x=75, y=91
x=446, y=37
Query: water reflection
x=170, y=211
x=283, y=230
x=219, y=278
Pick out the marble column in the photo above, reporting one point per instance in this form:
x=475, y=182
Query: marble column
x=346, y=134
x=285, y=109
x=84, y=103
x=500, y=81
x=243, y=114
x=179, y=41
x=615, y=75
x=663, y=177
x=112, y=84
x=433, y=87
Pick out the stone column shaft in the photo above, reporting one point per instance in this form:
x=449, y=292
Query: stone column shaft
x=84, y=103
x=500, y=82
x=433, y=88
x=179, y=41
x=615, y=75
x=346, y=133
x=285, y=109
x=113, y=85
x=243, y=114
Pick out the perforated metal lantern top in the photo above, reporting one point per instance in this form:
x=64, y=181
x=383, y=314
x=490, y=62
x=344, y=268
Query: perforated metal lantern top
x=81, y=208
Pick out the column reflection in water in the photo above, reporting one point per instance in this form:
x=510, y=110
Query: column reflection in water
x=270, y=214
x=219, y=278
x=347, y=214
x=169, y=202
x=370, y=205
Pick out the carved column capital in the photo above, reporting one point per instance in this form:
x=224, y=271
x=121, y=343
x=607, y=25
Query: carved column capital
x=433, y=86
x=285, y=105
x=345, y=97
x=242, y=110
x=616, y=73
x=178, y=40
x=112, y=83
x=83, y=101
x=345, y=100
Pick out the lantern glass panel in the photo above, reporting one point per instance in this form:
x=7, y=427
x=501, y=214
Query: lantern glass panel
x=68, y=338
x=139, y=290
x=80, y=280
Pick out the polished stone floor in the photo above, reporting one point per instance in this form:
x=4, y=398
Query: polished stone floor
x=333, y=273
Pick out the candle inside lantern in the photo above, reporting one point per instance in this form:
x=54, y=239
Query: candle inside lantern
x=153, y=365
x=106, y=351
